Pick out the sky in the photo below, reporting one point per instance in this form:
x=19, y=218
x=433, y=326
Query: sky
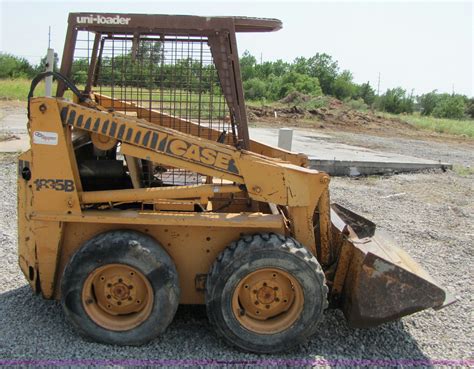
x=420, y=46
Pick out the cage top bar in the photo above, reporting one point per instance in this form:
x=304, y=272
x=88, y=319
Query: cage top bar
x=152, y=23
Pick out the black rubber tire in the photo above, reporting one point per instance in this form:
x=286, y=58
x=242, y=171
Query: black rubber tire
x=136, y=250
x=251, y=253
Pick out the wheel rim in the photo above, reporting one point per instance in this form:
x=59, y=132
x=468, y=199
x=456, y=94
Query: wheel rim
x=117, y=297
x=268, y=301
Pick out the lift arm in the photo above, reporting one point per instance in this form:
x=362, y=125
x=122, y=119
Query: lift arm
x=266, y=179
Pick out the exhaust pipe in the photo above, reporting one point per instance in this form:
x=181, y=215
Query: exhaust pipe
x=375, y=281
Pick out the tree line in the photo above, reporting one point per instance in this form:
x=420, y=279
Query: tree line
x=268, y=81
x=320, y=75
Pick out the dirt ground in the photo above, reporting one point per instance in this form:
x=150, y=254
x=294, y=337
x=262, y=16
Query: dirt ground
x=338, y=117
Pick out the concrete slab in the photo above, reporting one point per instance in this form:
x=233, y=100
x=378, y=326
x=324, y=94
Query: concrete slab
x=14, y=133
x=339, y=159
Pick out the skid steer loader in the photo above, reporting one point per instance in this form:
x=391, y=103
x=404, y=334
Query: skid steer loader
x=142, y=190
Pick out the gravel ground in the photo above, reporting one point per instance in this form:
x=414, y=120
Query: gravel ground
x=431, y=216
x=432, y=219
x=458, y=152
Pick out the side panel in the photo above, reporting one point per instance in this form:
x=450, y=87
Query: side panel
x=193, y=249
x=53, y=187
x=26, y=245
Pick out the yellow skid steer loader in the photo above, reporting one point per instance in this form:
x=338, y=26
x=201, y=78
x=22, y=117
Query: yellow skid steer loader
x=142, y=190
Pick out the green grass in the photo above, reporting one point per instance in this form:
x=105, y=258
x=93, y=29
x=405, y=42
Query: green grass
x=463, y=171
x=17, y=89
x=463, y=127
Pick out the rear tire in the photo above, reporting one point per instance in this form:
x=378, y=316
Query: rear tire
x=265, y=293
x=120, y=287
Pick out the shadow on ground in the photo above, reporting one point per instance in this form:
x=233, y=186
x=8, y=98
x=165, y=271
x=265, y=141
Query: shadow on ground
x=33, y=328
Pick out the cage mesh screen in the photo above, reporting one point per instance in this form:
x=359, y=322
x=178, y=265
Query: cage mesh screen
x=174, y=78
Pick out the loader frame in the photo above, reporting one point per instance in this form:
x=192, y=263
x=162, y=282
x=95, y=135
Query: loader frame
x=233, y=173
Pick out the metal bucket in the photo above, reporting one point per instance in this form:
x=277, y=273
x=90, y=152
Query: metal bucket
x=376, y=281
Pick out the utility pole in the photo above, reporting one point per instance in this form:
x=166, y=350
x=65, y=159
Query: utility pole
x=49, y=67
x=261, y=58
x=378, y=86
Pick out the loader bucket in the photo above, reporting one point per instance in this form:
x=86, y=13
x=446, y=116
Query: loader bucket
x=382, y=282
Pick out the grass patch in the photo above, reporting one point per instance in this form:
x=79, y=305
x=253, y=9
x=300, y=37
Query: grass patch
x=462, y=127
x=17, y=89
x=463, y=171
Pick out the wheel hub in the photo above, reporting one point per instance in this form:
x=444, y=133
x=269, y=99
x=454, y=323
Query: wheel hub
x=267, y=300
x=117, y=294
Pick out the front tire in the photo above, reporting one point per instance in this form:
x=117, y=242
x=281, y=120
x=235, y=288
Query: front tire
x=265, y=293
x=120, y=287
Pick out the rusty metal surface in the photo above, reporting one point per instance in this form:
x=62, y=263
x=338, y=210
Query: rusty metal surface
x=172, y=23
x=376, y=281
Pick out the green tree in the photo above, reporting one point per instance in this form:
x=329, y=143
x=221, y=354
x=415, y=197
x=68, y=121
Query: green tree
x=80, y=68
x=247, y=66
x=428, y=102
x=396, y=100
x=366, y=93
x=450, y=106
x=15, y=67
x=325, y=69
x=470, y=107
x=294, y=81
x=343, y=87
x=255, y=89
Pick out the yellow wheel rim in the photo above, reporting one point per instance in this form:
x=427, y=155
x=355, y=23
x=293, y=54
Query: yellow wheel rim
x=117, y=297
x=268, y=301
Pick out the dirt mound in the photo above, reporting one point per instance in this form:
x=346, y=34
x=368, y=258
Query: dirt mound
x=334, y=113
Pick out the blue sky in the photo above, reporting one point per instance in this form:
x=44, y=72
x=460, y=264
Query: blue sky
x=422, y=45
